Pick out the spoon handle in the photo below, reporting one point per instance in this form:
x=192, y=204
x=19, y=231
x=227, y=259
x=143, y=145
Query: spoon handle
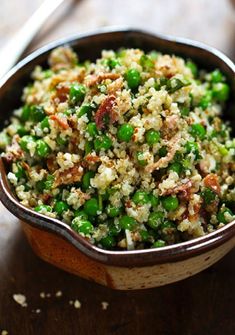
x=12, y=51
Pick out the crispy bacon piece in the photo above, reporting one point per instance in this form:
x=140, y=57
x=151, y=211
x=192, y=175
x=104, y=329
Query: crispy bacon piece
x=211, y=181
x=61, y=122
x=25, y=166
x=128, y=204
x=183, y=190
x=51, y=164
x=68, y=176
x=105, y=111
x=62, y=91
x=92, y=158
x=46, y=198
x=173, y=145
x=96, y=79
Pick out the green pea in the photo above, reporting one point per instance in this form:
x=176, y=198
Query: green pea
x=141, y=198
x=216, y=76
x=208, y=196
x=113, y=211
x=47, y=73
x=152, y=136
x=60, y=207
x=83, y=227
x=43, y=208
x=86, y=179
x=144, y=235
x=61, y=141
x=176, y=167
x=170, y=203
x=108, y=242
x=42, y=149
x=88, y=147
x=112, y=63
x=154, y=55
x=155, y=219
x=102, y=142
x=205, y=101
x=223, y=151
x=146, y=62
x=221, y=214
x=45, y=123
x=80, y=214
x=159, y=244
x=91, y=207
x=86, y=109
x=25, y=114
x=92, y=129
x=184, y=111
x=37, y=113
x=220, y=91
x=162, y=152
x=25, y=140
x=140, y=158
x=197, y=130
x=127, y=222
x=153, y=200
x=114, y=229
x=125, y=132
x=133, y=78
x=22, y=131
x=77, y=93
x=193, y=67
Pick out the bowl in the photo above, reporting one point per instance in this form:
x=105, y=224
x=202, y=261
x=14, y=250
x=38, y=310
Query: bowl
x=54, y=241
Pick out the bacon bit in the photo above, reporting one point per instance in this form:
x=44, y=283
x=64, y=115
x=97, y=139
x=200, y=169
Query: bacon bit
x=173, y=145
x=96, y=79
x=211, y=181
x=46, y=197
x=51, y=164
x=105, y=110
x=62, y=122
x=72, y=121
x=62, y=91
x=183, y=189
x=68, y=176
x=25, y=166
x=128, y=204
x=92, y=158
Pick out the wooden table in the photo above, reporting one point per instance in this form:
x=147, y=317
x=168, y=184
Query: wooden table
x=203, y=304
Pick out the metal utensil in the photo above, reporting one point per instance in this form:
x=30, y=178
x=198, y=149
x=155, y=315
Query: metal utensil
x=11, y=53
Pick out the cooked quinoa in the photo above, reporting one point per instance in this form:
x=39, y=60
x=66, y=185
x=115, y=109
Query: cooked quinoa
x=130, y=150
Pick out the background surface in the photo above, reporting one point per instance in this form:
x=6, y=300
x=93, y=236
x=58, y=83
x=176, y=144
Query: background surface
x=204, y=304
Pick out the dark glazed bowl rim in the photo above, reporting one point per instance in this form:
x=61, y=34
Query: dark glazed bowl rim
x=144, y=257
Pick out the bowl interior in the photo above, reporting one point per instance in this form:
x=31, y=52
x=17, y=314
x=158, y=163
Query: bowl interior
x=89, y=47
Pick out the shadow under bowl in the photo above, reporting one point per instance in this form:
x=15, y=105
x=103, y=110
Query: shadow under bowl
x=53, y=240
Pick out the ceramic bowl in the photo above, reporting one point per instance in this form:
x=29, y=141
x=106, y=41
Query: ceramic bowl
x=54, y=241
